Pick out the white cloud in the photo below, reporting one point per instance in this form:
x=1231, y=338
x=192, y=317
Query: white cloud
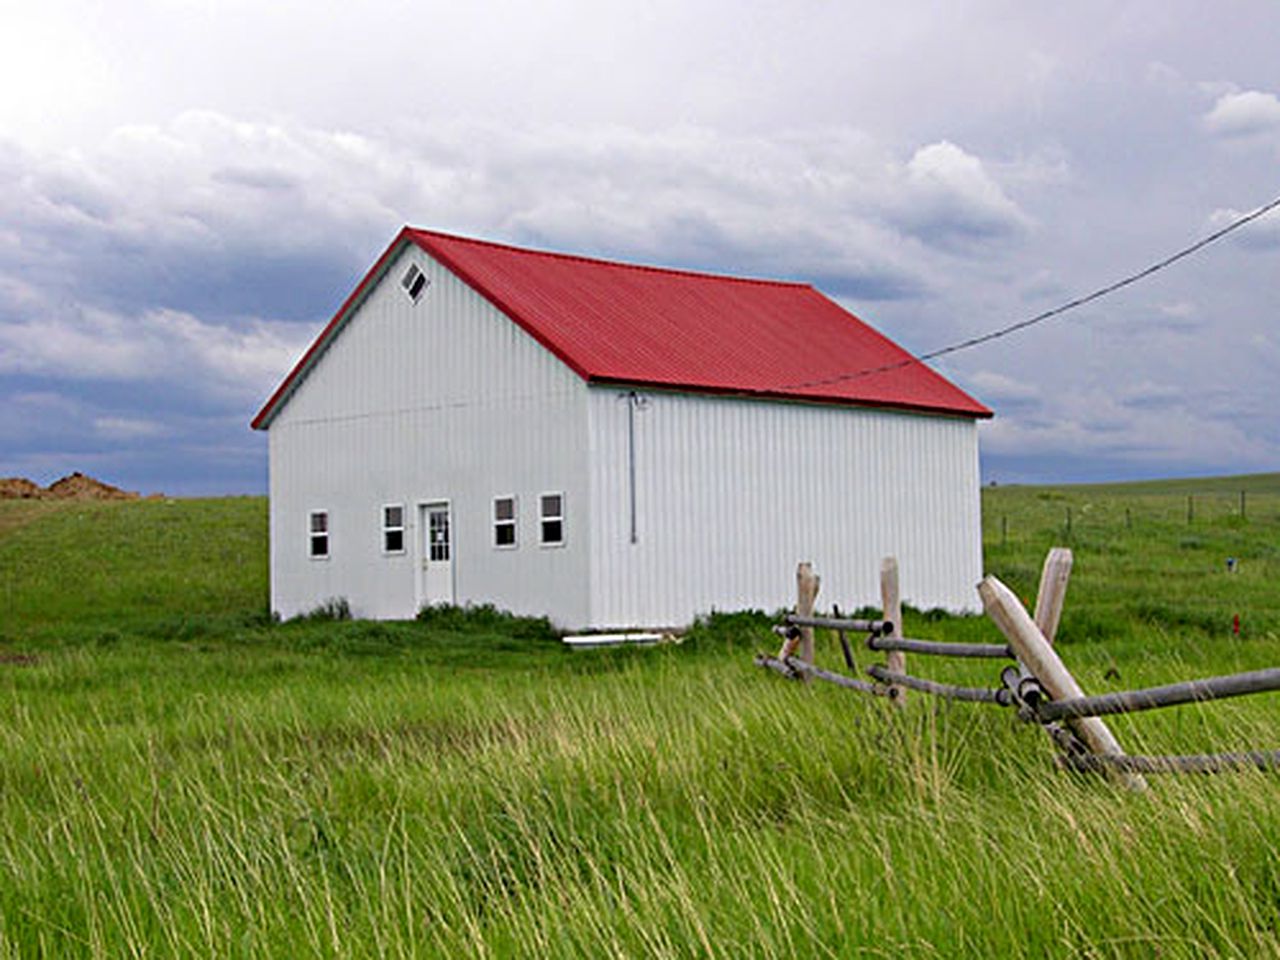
x=1150, y=434
x=1247, y=113
x=1180, y=310
x=953, y=199
x=1004, y=392
x=209, y=193
x=91, y=345
x=158, y=346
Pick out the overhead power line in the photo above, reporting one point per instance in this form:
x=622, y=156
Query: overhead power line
x=1056, y=311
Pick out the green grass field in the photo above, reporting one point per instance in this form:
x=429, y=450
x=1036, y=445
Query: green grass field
x=181, y=776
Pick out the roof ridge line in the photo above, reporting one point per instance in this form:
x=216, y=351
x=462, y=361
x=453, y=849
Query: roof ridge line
x=603, y=261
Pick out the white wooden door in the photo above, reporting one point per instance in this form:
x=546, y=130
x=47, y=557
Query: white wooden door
x=435, y=530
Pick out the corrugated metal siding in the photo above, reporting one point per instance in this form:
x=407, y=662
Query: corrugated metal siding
x=445, y=399
x=732, y=493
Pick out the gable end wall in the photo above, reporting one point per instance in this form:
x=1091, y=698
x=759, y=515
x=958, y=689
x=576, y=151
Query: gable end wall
x=443, y=399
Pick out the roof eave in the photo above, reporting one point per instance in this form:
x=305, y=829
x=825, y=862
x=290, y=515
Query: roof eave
x=978, y=412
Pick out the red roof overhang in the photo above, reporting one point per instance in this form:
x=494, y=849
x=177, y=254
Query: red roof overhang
x=672, y=329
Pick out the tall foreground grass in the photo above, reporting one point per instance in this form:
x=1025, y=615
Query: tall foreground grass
x=186, y=778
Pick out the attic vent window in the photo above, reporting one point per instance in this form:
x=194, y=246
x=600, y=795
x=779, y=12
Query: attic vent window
x=414, y=282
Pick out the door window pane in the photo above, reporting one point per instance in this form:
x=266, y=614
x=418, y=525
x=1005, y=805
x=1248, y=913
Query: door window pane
x=438, y=532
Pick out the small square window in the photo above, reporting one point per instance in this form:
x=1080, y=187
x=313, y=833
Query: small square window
x=393, y=529
x=414, y=282
x=318, y=542
x=552, y=518
x=504, y=521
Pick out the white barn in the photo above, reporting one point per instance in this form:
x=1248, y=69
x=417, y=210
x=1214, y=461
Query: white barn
x=609, y=445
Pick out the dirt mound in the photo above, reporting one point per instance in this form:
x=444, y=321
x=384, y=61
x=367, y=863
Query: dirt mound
x=20, y=488
x=78, y=486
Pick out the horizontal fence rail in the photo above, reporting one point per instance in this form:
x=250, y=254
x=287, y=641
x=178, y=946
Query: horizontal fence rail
x=1151, y=698
x=1264, y=760
x=948, y=691
x=794, y=667
x=839, y=623
x=940, y=648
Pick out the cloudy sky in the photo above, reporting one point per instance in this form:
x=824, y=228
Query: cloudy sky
x=189, y=188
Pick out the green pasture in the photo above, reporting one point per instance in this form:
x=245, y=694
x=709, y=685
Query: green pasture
x=180, y=776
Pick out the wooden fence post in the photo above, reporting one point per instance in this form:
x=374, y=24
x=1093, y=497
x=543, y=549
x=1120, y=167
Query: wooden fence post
x=1049, y=601
x=1038, y=656
x=891, y=609
x=807, y=584
x=1053, y=591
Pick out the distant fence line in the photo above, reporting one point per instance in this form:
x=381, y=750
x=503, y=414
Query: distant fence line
x=1169, y=510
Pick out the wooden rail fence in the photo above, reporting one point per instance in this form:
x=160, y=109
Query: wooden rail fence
x=1037, y=683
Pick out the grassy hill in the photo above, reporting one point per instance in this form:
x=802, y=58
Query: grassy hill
x=117, y=565
x=179, y=775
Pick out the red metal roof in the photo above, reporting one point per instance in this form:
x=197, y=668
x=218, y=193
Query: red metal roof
x=649, y=326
